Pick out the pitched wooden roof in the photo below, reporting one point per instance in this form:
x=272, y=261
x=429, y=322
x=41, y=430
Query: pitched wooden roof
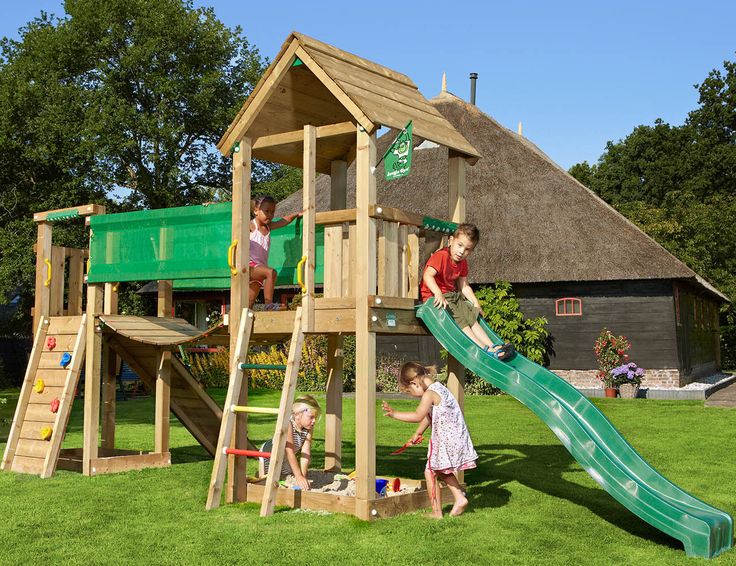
x=332, y=86
x=537, y=223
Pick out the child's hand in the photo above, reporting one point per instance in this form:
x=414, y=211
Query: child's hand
x=302, y=482
x=387, y=410
x=440, y=301
x=476, y=304
x=416, y=438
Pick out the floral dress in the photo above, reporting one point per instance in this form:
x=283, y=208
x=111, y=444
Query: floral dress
x=450, y=448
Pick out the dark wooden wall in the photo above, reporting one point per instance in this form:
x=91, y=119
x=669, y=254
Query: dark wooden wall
x=643, y=311
x=697, y=329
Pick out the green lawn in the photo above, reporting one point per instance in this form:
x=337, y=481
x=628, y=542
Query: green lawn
x=530, y=501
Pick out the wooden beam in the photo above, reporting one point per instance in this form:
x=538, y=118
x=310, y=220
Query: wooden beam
x=297, y=136
x=456, y=209
x=85, y=210
x=335, y=216
x=76, y=281
x=92, y=377
x=239, y=301
x=163, y=400
x=365, y=341
x=165, y=299
x=109, y=373
x=337, y=92
x=333, y=409
x=56, y=299
x=309, y=247
x=258, y=99
x=397, y=215
x=42, y=300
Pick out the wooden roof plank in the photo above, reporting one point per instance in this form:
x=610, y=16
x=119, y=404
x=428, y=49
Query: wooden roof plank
x=258, y=98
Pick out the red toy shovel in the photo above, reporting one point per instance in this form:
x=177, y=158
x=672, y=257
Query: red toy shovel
x=406, y=445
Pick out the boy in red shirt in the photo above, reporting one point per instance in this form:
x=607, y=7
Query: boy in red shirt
x=446, y=278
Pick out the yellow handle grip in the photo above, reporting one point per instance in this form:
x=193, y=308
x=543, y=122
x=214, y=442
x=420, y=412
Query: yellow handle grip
x=48, y=277
x=300, y=275
x=231, y=257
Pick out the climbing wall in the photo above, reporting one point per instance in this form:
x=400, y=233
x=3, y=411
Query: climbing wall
x=46, y=397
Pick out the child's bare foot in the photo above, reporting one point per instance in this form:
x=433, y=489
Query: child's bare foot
x=459, y=507
x=433, y=515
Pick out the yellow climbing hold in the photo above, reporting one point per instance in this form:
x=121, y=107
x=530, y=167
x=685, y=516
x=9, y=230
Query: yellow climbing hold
x=38, y=388
x=46, y=433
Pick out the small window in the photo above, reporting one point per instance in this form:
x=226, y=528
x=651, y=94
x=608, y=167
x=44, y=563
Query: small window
x=568, y=307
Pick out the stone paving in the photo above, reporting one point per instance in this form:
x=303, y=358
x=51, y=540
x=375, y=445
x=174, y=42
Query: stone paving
x=726, y=397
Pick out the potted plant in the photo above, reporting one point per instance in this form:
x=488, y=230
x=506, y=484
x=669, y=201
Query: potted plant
x=610, y=352
x=628, y=378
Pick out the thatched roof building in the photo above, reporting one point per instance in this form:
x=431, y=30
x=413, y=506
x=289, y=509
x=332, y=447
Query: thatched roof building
x=557, y=242
x=538, y=223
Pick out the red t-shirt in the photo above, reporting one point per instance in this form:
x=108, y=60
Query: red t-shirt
x=447, y=272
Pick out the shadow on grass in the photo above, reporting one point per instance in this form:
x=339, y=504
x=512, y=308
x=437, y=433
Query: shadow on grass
x=189, y=454
x=541, y=467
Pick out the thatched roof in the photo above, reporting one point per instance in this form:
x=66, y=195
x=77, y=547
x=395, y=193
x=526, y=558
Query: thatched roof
x=537, y=223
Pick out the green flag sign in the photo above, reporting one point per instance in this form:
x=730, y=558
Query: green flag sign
x=397, y=159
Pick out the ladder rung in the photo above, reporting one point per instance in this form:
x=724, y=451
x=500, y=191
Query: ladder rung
x=249, y=453
x=263, y=366
x=262, y=410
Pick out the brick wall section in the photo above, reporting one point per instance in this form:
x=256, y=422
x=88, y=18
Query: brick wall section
x=586, y=379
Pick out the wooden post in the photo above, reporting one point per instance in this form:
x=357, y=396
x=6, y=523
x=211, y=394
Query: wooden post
x=109, y=376
x=163, y=400
x=165, y=304
x=333, y=288
x=43, y=293
x=76, y=282
x=456, y=205
x=92, y=371
x=365, y=341
x=56, y=299
x=236, y=489
x=333, y=413
x=309, y=248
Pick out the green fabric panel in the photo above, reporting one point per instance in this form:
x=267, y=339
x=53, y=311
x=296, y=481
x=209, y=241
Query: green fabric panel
x=188, y=243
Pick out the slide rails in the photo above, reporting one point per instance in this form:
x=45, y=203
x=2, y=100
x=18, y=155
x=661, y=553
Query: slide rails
x=593, y=441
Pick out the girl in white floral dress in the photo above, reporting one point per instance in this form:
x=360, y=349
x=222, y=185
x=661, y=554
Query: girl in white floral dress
x=450, y=448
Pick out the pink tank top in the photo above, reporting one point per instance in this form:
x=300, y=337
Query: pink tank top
x=259, y=246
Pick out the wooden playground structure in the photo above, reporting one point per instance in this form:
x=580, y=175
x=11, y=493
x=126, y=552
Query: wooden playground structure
x=318, y=108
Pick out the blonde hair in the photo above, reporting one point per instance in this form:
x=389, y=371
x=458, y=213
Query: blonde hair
x=413, y=370
x=306, y=403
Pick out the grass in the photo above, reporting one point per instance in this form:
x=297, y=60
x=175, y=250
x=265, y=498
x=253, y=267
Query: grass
x=530, y=502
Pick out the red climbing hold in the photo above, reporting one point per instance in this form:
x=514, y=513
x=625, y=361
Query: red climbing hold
x=55, y=405
x=51, y=342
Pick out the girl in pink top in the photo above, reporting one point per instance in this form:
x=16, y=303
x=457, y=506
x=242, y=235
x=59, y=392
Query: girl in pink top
x=261, y=275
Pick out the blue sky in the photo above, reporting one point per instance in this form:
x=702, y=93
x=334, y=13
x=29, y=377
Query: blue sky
x=575, y=73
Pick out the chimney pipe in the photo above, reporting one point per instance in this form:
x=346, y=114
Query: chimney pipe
x=473, y=78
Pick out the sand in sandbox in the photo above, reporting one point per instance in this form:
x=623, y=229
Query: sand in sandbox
x=326, y=482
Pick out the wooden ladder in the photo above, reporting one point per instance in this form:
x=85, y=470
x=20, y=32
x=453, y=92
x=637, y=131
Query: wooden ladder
x=231, y=409
x=46, y=382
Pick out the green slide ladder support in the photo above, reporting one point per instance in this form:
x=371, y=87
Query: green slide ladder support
x=592, y=440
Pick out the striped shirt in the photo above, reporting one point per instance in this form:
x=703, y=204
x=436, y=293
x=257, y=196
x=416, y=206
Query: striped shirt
x=298, y=438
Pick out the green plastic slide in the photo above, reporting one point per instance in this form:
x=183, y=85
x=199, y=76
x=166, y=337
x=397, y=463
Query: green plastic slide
x=592, y=440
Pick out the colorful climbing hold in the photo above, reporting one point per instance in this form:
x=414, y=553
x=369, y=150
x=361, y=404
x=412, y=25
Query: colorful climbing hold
x=38, y=387
x=46, y=433
x=51, y=342
x=55, y=405
x=65, y=359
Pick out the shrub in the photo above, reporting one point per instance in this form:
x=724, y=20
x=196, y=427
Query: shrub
x=210, y=368
x=502, y=312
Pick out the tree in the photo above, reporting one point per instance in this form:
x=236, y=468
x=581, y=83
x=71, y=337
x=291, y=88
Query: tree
x=114, y=96
x=678, y=183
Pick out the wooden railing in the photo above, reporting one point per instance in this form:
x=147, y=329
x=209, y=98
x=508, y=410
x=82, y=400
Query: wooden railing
x=398, y=252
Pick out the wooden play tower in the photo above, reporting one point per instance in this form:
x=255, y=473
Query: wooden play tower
x=320, y=108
